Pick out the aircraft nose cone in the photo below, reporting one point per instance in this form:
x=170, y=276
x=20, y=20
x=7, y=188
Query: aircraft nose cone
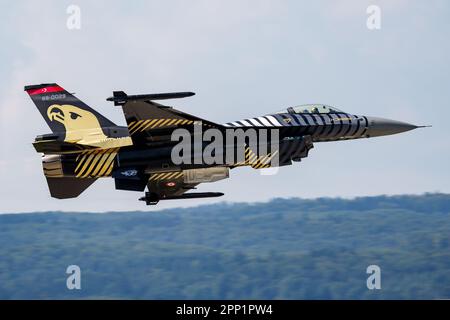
x=382, y=127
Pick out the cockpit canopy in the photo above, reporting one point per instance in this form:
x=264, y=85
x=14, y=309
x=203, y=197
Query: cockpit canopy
x=311, y=108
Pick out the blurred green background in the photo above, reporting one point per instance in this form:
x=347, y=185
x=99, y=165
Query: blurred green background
x=282, y=249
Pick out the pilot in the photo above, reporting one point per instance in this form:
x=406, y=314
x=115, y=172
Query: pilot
x=315, y=110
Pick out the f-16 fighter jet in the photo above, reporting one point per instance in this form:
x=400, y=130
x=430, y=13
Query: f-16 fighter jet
x=170, y=152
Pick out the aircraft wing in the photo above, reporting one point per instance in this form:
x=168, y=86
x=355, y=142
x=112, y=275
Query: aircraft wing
x=149, y=121
x=66, y=187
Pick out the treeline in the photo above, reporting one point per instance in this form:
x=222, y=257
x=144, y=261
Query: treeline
x=282, y=249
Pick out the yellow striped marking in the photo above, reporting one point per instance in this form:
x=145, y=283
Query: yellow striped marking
x=264, y=162
x=255, y=161
x=80, y=163
x=149, y=124
x=164, y=123
x=271, y=157
x=259, y=162
x=92, y=166
x=157, y=123
x=92, y=163
x=109, y=161
x=179, y=175
x=253, y=158
x=86, y=163
x=143, y=125
x=100, y=164
x=135, y=124
x=110, y=169
x=166, y=175
x=172, y=122
x=83, y=158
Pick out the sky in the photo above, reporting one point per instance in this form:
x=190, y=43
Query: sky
x=243, y=59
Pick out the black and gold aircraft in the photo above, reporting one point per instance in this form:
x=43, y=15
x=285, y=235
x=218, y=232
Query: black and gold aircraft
x=85, y=146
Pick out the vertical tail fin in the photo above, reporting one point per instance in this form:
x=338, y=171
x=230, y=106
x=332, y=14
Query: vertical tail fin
x=64, y=113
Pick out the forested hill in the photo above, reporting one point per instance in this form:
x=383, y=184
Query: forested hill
x=285, y=248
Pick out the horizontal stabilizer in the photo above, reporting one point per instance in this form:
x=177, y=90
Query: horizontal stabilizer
x=65, y=188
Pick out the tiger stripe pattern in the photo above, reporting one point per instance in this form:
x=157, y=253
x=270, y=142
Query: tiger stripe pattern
x=95, y=163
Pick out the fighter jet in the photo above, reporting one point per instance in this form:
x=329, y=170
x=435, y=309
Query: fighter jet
x=84, y=145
